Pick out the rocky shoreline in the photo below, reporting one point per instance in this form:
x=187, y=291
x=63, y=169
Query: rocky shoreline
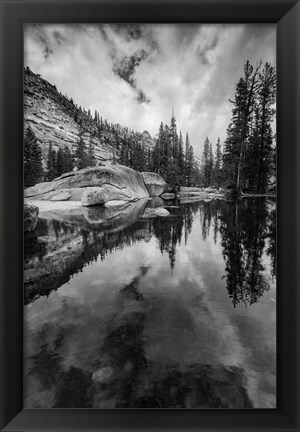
x=109, y=186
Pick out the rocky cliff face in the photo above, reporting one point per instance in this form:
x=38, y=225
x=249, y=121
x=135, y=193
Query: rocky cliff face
x=55, y=118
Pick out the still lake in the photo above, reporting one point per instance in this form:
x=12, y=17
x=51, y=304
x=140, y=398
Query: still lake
x=125, y=310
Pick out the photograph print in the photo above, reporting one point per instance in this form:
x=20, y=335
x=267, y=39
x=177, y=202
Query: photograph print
x=150, y=216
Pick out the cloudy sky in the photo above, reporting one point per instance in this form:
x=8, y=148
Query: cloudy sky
x=135, y=74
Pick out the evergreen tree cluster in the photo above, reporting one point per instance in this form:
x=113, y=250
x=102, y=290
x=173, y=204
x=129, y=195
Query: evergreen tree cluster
x=172, y=158
x=132, y=153
x=58, y=162
x=249, y=156
x=249, y=151
x=211, y=168
x=33, y=161
x=63, y=160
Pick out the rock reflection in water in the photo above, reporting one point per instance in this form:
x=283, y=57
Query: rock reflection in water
x=149, y=320
x=64, y=242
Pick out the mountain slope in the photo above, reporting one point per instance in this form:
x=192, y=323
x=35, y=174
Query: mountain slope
x=55, y=118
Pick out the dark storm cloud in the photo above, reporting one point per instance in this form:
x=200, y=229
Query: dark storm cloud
x=141, y=97
x=125, y=67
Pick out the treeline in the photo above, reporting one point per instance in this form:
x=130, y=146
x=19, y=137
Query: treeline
x=63, y=160
x=169, y=157
x=211, y=174
x=58, y=161
x=33, y=160
x=173, y=158
x=249, y=150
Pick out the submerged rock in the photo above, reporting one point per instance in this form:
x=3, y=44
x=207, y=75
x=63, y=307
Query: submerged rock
x=155, y=183
x=30, y=217
x=161, y=212
x=168, y=196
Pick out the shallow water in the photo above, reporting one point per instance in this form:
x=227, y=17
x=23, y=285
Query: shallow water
x=123, y=309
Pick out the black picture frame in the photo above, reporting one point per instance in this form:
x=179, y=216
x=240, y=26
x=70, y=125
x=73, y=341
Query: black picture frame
x=286, y=13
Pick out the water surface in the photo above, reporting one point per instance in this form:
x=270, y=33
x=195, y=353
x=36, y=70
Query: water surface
x=127, y=310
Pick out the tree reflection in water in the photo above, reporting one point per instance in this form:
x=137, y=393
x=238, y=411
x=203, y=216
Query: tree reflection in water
x=244, y=226
x=244, y=231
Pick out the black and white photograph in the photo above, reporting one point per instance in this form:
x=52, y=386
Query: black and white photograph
x=150, y=216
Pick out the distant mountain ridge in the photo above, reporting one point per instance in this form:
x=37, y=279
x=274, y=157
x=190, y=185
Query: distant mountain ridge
x=55, y=118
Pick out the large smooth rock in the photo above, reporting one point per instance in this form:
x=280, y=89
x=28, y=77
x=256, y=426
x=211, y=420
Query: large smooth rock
x=155, y=183
x=92, y=196
x=31, y=214
x=118, y=183
x=39, y=189
x=73, y=194
x=61, y=196
x=101, y=195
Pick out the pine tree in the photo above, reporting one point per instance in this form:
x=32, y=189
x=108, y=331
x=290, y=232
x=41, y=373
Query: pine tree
x=266, y=101
x=69, y=164
x=33, y=165
x=60, y=162
x=80, y=155
x=210, y=164
x=248, y=148
x=158, y=151
x=189, y=162
x=180, y=158
x=238, y=133
x=207, y=163
x=90, y=159
x=166, y=146
x=51, y=163
x=174, y=139
x=217, y=175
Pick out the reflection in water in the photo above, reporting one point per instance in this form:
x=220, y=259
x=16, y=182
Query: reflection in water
x=125, y=310
x=244, y=230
